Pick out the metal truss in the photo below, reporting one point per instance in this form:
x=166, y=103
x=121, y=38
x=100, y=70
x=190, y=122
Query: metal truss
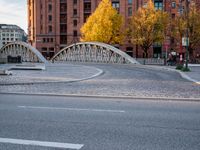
x=26, y=51
x=93, y=52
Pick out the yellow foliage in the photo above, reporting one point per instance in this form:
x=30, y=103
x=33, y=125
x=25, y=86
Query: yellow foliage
x=148, y=26
x=104, y=25
x=192, y=23
x=194, y=26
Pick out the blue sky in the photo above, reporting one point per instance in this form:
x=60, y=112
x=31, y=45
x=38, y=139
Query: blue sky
x=14, y=12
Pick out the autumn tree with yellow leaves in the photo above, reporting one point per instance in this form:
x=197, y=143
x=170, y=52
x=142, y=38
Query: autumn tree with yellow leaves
x=148, y=26
x=192, y=25
x=194, y=28
x=104, y=25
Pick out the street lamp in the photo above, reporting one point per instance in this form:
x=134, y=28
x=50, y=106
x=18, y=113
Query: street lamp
x=187, y=34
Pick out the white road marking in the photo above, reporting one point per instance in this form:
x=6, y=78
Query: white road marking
x=74, y=109
x=40, y=143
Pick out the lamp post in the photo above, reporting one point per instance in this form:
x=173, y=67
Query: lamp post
x=187, y=34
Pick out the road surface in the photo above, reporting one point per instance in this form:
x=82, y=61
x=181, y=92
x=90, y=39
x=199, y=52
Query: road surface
x=55, y=123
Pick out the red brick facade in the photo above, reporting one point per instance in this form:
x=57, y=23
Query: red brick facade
x=54, y=24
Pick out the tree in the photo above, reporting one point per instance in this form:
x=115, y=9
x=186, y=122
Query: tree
x=178, y=27
x=194, y=28
x=192, y=25
x=148, y=26
x=104, y=25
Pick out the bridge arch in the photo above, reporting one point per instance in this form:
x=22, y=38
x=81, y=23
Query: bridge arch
x=93, y=52
x=26, y=51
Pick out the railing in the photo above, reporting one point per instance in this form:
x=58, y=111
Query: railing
x=151, y=61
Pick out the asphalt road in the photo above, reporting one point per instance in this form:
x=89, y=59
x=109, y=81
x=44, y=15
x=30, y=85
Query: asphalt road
x=97, y=124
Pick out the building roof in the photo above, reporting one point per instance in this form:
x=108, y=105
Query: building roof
x=10, y=26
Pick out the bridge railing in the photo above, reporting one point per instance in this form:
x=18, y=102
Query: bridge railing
x=151, y=61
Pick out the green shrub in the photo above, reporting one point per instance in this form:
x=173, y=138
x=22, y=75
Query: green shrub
x=179, y=67
x=184, y=69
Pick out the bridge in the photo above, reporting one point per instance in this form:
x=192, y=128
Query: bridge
x=26, y=51
x=79, y=52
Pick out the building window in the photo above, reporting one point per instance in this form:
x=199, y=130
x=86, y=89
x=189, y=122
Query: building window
x=129, y=51
x=50, y=8
x=116, y=5
x=63, y=7
x=63, y=39
x=87, y=6
x=75, y=12
x=130, y=11
x=44, y=49
x=86, y=16
x=158, y=4
x=44, y=40
x=50, y=29
x=173, y=4
x=75, y=2
x=50, y=18
x=130, y=2
x=63, y=28
x=75, y=23
x=63, y=18
x=75, y=33
x=173, y=16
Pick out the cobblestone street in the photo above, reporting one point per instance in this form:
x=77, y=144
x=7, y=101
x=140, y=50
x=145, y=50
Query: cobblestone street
x=117, y=80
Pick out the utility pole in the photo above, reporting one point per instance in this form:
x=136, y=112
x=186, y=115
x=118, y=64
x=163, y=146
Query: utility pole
x=187, y=34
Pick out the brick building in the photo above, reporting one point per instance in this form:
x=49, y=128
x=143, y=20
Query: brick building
x=54, y=24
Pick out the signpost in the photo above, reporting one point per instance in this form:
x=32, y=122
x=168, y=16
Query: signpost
x=185, y=41
x=166, y=45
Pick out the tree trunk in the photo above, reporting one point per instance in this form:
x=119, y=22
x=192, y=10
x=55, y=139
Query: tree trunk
x=191, y=56
x=145, y=53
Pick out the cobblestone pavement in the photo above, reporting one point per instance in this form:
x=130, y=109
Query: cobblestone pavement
x=53, y=73
x=120, y=80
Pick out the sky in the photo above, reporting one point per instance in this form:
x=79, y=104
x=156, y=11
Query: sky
x=14, y=12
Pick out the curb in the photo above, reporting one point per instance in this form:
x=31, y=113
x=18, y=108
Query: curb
x=109, y=97
x=183, y=75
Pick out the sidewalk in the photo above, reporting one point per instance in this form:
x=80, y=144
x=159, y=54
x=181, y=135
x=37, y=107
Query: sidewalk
x=52, y=73
x=193, y=75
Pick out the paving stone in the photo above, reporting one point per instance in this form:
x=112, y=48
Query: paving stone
x=118, y=80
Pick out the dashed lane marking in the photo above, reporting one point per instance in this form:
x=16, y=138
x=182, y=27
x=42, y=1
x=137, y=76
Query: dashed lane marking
x=73, y=109
x=41, y=143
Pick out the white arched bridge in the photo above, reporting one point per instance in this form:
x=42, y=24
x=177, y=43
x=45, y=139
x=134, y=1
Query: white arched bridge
x=93, y=52
x=79, y=52
x=24, y=50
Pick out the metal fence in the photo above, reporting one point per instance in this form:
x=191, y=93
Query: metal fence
x=151, y=61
